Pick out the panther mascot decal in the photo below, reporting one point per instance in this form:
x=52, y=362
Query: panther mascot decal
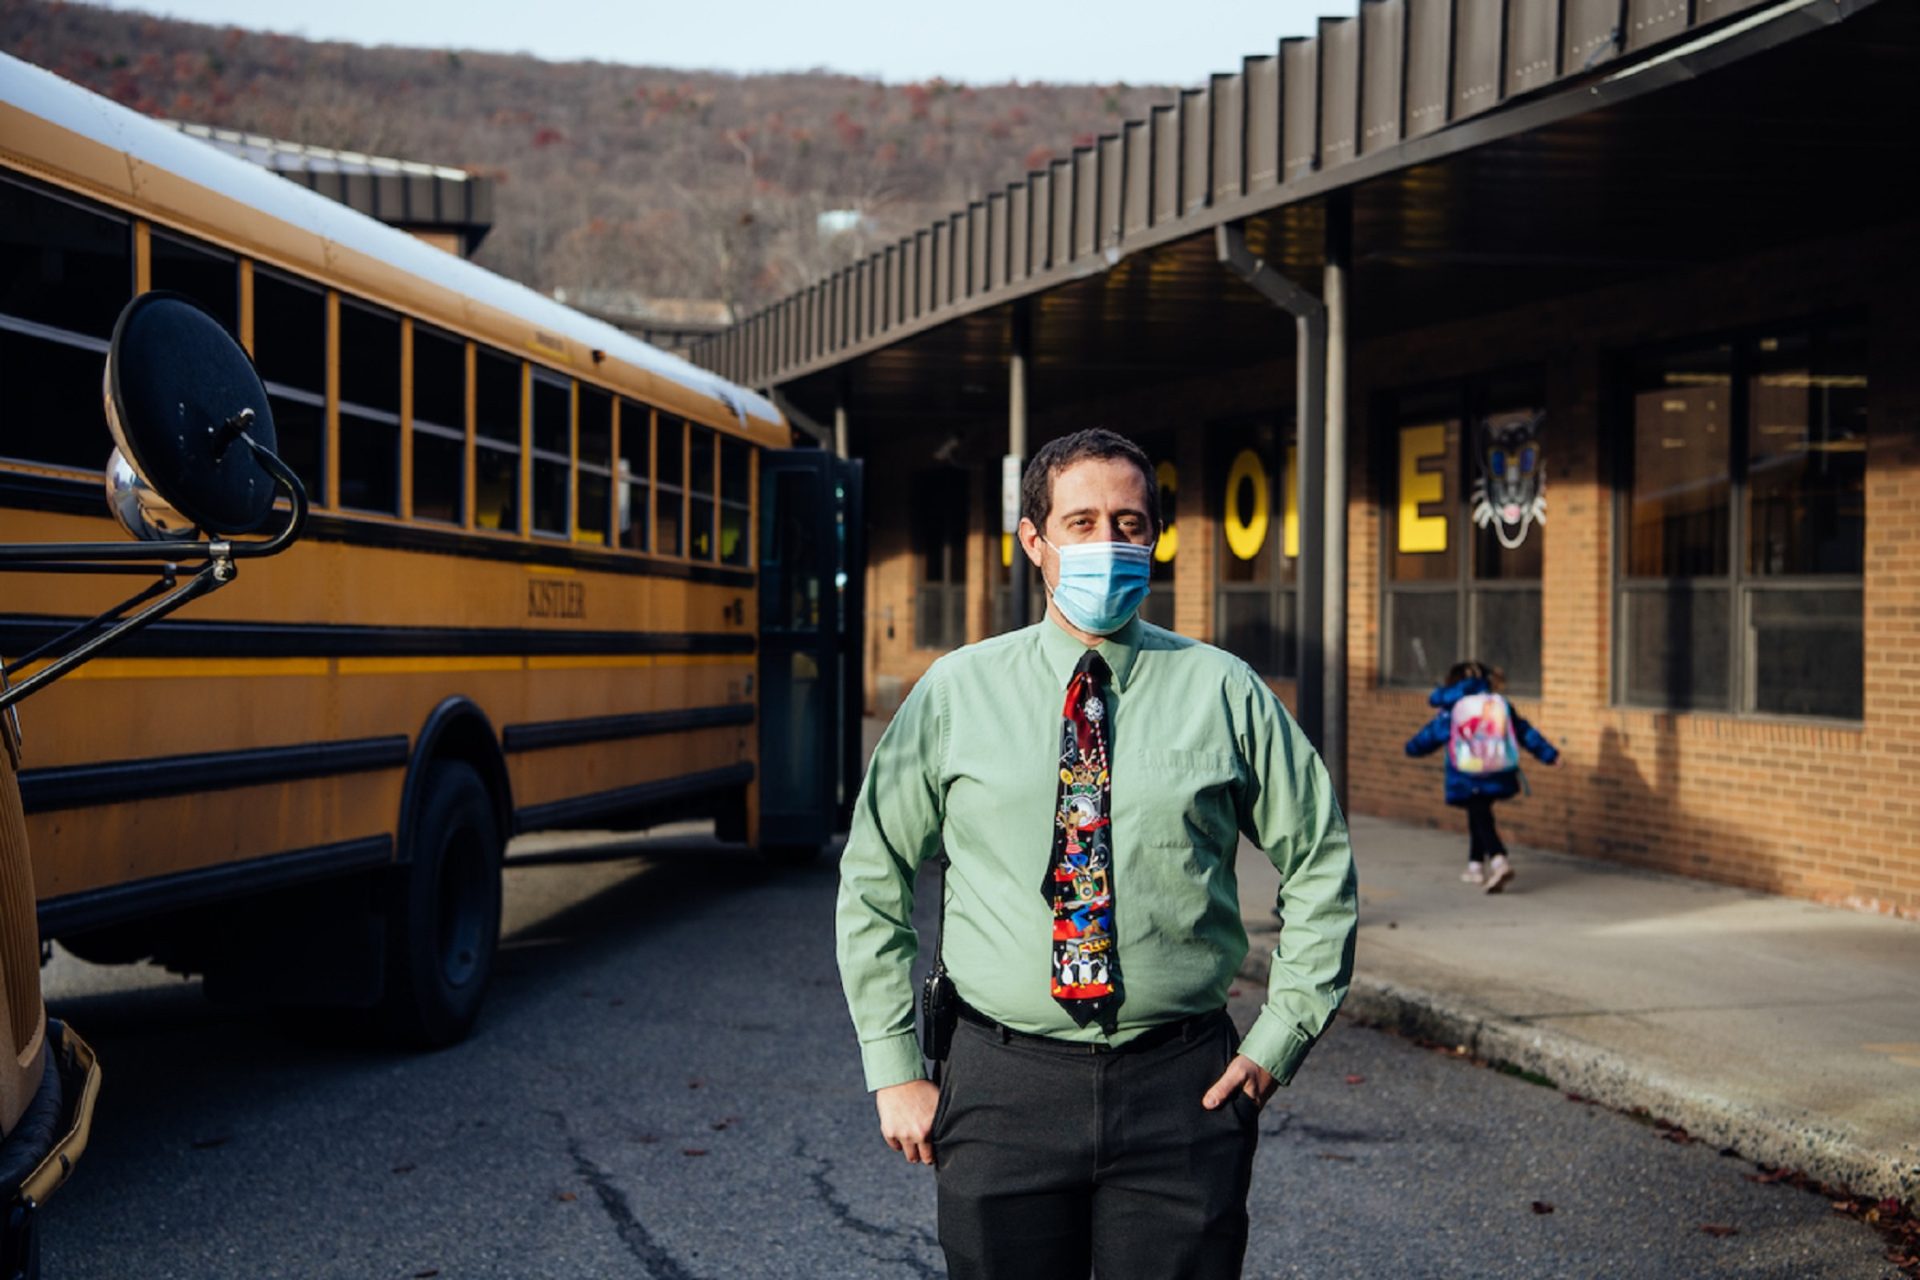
x=1510, y=493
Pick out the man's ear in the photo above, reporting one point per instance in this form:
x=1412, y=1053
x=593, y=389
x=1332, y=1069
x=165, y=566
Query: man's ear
x=1030, y=541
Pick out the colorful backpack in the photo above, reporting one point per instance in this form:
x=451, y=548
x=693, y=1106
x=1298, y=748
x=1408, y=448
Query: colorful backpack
x=1481, y=740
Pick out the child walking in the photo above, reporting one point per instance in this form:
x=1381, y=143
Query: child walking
x=1482, y=733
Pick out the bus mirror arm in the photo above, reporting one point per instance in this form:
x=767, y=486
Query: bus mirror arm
x=214, y=574
x=82, y=642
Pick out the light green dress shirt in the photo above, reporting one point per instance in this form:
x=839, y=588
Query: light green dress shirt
x=1202, y=751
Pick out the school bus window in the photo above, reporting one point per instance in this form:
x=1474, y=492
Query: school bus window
x=700, y=485
x=369, y=409
x=208, y=276
x=65, y=272
x=496, y=454
x=636, y=447
x=63, y=265
x=439, y=426
x=552, y=453
x=290, y=350
x=736, y=502
x=596, y=470
x=670, y=459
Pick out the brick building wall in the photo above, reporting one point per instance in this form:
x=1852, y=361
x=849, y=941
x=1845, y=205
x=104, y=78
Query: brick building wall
x=1821, y=810
x=1818, y=810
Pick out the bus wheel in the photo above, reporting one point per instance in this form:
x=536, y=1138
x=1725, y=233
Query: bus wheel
x=443, y=915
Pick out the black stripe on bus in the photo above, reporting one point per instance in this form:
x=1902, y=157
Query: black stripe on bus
x=197, y=639
x=119, y=781
x=586, y=809
x=72, y=913
x=78, y=497
x=569, y=733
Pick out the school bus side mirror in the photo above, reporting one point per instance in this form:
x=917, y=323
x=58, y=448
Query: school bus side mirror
x=195, y=449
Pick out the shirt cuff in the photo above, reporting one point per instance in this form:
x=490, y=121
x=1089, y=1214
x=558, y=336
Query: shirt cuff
x=1278, y=1048
x=895, y=1060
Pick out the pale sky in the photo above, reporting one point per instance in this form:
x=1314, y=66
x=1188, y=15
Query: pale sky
x=978, y=41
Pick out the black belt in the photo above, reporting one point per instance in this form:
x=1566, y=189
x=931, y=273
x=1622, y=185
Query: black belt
x=1187, y=1028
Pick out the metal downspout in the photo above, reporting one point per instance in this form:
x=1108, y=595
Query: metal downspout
x=1335, y=284
x=1016, y=459
x=1310, y=390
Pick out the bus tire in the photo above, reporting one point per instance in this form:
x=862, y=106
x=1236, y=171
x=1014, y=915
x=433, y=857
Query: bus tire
x=443, y=913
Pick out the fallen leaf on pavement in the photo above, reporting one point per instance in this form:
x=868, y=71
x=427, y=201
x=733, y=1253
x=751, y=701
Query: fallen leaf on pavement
x=565, y=1195
x=1771, y=1176
x=1541, y=1206
x=693, y=1151
x=1717, y=1231
x=1356, y=1079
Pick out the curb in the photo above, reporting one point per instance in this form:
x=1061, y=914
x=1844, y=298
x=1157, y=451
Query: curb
x=1800, y=1141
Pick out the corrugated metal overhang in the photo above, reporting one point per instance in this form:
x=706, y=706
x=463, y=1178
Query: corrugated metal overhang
x=1785, y=122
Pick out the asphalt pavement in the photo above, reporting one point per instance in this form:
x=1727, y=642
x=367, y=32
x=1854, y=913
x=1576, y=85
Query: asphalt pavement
x=664, y=1084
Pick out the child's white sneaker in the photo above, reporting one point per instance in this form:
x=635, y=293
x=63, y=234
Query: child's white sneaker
x=1500, y=874
x=1476, y=873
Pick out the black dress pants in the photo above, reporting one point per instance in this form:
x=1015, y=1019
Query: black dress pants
x=1053, y=1160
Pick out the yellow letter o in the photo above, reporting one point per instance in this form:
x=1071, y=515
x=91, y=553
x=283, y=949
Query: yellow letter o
x=1245, y=538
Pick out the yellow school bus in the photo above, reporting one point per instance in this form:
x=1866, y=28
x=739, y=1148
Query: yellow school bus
x=553, y=577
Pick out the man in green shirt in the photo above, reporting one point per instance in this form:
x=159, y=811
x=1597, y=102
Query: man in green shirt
x=1097, y=1108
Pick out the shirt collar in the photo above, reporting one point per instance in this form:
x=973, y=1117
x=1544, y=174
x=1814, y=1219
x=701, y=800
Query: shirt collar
x=1062, y=652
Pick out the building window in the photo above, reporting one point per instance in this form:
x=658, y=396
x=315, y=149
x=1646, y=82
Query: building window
x=1463, y=537
x=1252, y=488
x=670, y=485
x=939, y=530
x=66, y=270
x=208, y=276
x=595, y=508
x=636, y=465
x=736, y=502
x=496, y=442
x=290, y=351
x=552, y=454
x=701, y=481
x=1744, y=518
x=439, y=426
x=369, y=409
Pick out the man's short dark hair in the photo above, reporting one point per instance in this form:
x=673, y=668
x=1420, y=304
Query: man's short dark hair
x=1055, y=456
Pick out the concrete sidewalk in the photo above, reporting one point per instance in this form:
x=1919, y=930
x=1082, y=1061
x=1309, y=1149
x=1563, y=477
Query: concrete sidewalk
x=1786, y=1030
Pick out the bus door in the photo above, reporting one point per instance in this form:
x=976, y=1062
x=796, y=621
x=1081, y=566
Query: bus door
x=812, y=581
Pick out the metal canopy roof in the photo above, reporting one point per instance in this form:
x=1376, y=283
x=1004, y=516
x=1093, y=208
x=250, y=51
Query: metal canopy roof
x=402, y=193
x=1775, y=125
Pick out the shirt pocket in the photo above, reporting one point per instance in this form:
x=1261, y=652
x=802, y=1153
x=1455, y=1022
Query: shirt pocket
x=1174, y=799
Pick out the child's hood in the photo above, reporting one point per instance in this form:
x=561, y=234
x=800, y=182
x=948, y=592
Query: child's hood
x=1447, y=694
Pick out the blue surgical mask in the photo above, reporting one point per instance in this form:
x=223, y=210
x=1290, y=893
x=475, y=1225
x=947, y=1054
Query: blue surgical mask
x=1101, y=583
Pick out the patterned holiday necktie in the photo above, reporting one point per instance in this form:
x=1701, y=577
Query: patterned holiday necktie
x=1079, y=883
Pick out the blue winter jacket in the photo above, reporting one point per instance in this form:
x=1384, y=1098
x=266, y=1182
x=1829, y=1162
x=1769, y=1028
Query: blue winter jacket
x=1462, y=787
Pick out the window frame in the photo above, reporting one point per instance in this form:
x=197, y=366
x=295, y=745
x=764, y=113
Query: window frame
x=1281, y=589
x=417, y=426
x=1740, y=584
x=39, y=330
x=1473, y=401
x=539, y=375
x=344, y=408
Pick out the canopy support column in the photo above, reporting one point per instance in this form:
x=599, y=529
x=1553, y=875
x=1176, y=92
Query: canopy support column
x=1320, y=581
